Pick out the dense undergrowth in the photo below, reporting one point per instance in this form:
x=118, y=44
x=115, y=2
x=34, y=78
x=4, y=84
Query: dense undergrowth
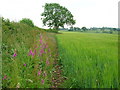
x=28, y=54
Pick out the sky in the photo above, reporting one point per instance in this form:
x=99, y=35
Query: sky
x=88, y=13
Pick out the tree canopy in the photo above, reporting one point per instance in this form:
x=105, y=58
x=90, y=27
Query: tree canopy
x=27, y=21
x=84, y=28
x=56, y=16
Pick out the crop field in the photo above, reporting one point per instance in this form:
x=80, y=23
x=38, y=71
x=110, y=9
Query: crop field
x=89, y=60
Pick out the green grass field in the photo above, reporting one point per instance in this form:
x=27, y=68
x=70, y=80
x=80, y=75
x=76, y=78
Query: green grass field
x=90, y=60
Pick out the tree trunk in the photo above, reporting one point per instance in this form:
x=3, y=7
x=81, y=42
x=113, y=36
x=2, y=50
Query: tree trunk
x=56, y=27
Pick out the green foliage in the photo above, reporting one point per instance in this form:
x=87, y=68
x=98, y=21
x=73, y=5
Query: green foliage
x=111, y=32
x=90, y=60
x=51, y=30
x=21, y=70
x=84, y=28
x=27, y=21
x=107, y=31
x=8, y=26
x=56, y=16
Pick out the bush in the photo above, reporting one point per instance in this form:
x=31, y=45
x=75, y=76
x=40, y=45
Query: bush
x=8, y=26
x=105, y=31
x=51, y=30
x=111, y=32
x=108, y=31
x=27, y=21
x=84, y=28
x=97, y=32
x=70, y=30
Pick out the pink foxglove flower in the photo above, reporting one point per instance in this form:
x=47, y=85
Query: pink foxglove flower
x=5, y=77
x=41, y=46
x=42, y=81
x=41, y=52
x=24, y=64
x=31, y=53
x=40, y=41
x=39, y=72
x=15, y=54
x=46, y=46
x=35, y=51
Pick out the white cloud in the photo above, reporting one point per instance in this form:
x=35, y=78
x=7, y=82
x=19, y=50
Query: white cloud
x=89, y=13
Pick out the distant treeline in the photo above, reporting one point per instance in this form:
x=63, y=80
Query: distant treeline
x=96, y=29
x=93, y=28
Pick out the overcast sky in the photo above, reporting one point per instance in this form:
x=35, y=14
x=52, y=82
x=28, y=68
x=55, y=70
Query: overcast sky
x=89, y=13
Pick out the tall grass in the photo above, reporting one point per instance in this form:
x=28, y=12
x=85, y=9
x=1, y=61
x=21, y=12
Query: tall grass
x=27, y=56
x=89, y=60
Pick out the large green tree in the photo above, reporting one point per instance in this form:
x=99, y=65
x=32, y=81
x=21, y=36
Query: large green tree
x=56, y=16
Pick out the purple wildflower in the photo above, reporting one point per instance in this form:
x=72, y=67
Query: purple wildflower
x=35, y=51
x=24, y=64
x=40, y=41
x=5, y=77
x=31, y=53
x=41, y=51
x=39, y=72
x=15, y=54
x=41, y=46
x=46, y=45
x=42, y=81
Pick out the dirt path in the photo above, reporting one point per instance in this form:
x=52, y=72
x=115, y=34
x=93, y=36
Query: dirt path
x=57, y=74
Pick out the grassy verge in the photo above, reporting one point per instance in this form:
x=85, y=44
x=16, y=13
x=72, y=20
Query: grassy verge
x=28, y=54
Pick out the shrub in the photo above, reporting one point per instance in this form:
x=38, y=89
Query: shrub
x=84, y=28
x=111, y=32
x=27, y=21
x=105, y=32
x=51, y=30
